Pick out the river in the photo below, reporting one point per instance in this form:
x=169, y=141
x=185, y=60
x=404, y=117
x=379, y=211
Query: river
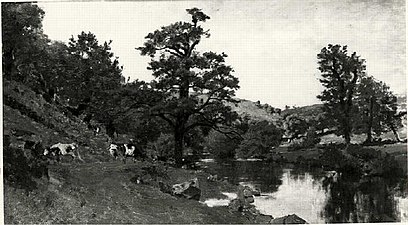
x=307, y=192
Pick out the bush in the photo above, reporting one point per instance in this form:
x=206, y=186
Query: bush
x=161, y=149
x=311, y=140
x=21, y=166
x=259, y=140
x=357, y=161
x=220, y=146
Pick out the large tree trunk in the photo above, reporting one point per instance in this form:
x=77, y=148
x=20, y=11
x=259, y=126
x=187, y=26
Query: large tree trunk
x=178, y=146
x=346, y=128
x=349, y=107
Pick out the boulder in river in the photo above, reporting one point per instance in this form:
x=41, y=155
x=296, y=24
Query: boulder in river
x=289, y=219
x=189, y=189
x=243, y=201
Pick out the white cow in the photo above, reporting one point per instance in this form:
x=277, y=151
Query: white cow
x=123, y=150
x=114, y=150
x=62, y=149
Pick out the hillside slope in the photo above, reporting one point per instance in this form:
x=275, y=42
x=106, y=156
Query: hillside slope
x=95, y=190
x=28, y=117
x=255, y=111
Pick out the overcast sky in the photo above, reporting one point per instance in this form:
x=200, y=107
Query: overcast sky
x=272, y=45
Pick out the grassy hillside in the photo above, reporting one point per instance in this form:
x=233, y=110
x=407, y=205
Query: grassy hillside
x=254, y=110
x=28, y=117
x=97, y=189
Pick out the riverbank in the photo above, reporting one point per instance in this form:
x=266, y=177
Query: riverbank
x=109, y=193
x=113, y=192
x=398, y=151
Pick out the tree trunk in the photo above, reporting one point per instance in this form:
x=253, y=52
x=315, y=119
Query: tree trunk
x=347, y=137
x=397, y=138
x=370, y=121
x=178, y=146
x=348, y=107
x=346, y=128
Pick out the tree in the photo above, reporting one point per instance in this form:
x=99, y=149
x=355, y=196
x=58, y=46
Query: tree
x=95, y=69
x=21, y=27
x=24, y=43
x=390, y=116
x=259, y=140
x=369, y=92
x=377, y=107
x=220, y=146
x=339, y=75
x=194, y=86
x=295, y=126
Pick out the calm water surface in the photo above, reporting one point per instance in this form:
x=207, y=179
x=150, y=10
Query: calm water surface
x=289, y=190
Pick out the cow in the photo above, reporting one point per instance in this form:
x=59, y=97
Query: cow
x=124, y=151
x=62, y=149
x=131, y=152
x=114, y=150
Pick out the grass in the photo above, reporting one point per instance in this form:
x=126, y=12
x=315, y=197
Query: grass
x=104, y=193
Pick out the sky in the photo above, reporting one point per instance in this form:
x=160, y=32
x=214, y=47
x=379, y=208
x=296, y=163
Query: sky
x=272, y=45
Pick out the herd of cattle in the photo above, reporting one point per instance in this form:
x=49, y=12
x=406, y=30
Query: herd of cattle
x=117, y=151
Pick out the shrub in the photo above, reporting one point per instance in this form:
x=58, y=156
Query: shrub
x=162, y=148
x=21, y=166
x=220, y=146
x=311, y=140
x=259, y=140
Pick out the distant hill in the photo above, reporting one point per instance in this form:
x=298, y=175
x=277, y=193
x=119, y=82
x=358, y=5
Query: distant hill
x=402, y=102
x=306, y=112
x=256, y=111
x=312, y=110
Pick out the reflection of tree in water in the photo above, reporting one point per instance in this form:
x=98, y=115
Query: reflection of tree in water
x=365, y=200
x=265, y=176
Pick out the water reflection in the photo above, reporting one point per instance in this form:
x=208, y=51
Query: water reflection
x=298, y=194
x=262, y=175
x=366, y=200
x=288, y=190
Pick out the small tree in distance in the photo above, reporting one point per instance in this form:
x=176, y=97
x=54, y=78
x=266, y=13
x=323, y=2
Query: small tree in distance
x=194, y=86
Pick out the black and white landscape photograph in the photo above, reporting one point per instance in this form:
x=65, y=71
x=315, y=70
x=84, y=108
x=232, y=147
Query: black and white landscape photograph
x=204, y=112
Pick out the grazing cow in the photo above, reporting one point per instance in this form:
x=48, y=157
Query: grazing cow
x=124, y=151
x=130, y=151
x=114, y=150
x=62, y=149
